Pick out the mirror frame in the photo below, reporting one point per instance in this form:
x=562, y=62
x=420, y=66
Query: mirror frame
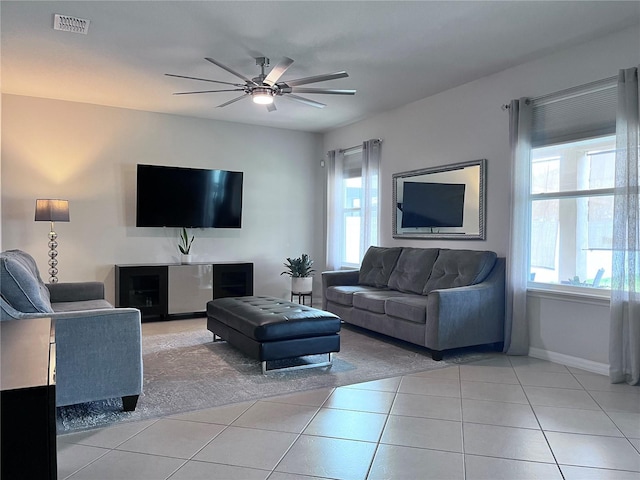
x=482, y=180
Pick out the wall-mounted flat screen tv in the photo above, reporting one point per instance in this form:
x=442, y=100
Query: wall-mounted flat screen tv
x=432, y=204
x=188, y=197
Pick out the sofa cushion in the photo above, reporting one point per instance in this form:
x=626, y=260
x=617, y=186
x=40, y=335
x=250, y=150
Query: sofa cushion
x=343, y=294
x=377, y=265
x=412, y=308
x=20, y=283
x=374, y=301
x=413, y=269
x=459, y=268
x=80, y=305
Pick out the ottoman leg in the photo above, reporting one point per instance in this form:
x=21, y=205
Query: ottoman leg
x=328, y=363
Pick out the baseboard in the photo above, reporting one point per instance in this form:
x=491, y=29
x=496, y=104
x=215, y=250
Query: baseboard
x=568, y=360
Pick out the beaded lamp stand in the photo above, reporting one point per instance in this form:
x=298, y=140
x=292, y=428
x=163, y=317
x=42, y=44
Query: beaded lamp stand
x=52, y=211
x=53, y=253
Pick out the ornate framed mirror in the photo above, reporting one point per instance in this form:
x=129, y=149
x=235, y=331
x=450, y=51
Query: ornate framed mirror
x=446, y=202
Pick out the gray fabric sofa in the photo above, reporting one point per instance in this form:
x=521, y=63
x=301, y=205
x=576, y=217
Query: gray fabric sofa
x=436, y=298
x=98, y=347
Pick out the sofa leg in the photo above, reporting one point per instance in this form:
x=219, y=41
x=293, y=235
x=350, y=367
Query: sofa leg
x=436, y=355
x=129, y=403
x=498, y=346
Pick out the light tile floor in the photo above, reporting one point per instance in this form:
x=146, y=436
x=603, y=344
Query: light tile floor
x=504, y=418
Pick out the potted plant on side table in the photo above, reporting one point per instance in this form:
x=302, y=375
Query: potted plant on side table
x=185, y=246
x=300, y=271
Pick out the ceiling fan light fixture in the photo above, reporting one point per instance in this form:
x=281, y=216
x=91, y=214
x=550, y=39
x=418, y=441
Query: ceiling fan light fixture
x=264, y=88
x=262, y=96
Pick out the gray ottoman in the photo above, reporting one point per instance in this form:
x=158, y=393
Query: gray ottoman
x=268, y=328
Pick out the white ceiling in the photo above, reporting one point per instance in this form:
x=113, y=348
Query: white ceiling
x=395, y=52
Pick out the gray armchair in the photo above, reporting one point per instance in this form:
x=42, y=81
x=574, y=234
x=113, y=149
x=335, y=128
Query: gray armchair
x=98, y=347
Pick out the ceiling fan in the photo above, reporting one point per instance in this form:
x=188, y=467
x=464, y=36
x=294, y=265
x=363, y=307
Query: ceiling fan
x=265, y=87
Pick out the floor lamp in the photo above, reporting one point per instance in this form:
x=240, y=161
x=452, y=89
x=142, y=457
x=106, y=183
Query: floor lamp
x=49, y=210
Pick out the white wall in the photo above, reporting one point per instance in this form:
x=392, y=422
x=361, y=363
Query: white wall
x=88, y=155
x=467, y=123
x=570, y=330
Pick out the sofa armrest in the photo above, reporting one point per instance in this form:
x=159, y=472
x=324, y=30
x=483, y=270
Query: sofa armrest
x=471, y=315
x=7, y=312
x=98, y=355
x=76, y=291
x=340, y=277
x=337, y=277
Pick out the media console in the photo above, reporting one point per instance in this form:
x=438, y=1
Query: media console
x=173, y=290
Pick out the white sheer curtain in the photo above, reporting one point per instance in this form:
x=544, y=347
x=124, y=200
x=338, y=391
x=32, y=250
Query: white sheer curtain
x=335, y=232
x=624, y=339
x=516, y=338
x=370, y=188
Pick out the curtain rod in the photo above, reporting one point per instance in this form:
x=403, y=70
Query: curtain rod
x=345, y=150
x=592, y=87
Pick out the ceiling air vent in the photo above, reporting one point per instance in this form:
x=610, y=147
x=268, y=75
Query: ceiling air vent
x=70, y=24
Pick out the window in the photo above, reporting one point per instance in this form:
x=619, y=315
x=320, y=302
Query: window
x=353, y=210
x=571, y=186
x=352, y=223
x=572, y=212
x=352, y=219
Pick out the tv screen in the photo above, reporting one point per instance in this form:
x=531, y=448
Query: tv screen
x=432, y=204
x=188, y=197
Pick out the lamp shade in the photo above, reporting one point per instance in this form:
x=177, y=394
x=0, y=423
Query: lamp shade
x=49, y=210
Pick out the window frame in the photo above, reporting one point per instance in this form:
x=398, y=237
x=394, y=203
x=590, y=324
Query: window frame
x=566, y=290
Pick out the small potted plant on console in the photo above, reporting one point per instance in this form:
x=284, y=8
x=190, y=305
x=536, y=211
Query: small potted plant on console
x=185, y=246
x=300, y=271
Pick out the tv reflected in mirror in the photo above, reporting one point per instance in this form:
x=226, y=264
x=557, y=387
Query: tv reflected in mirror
x=188, y=197
x=427, y=204
x=443, y=202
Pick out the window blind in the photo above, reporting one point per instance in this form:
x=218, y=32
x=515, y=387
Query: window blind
x=352, y=163
x=576, y=113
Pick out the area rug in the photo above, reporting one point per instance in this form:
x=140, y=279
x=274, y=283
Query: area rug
x=186, y=371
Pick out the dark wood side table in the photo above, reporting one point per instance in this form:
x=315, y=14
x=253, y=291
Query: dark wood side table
x=28, y=399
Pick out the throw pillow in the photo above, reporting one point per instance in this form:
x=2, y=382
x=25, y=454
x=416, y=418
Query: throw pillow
x=21, y=285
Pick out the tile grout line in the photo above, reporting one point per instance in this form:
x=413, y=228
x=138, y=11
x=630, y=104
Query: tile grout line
x=207, y=443
x=606, y=413
x=85, y=466
x=318, y=409
x=108, y=449
x=544, y=433
x=464, y=453
x=386, y=421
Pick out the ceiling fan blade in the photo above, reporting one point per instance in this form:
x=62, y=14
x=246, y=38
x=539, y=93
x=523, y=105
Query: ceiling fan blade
x=322, y=90
x=233, y=101
x=204, y=80
x=271, y=107
x=306, y=101
x=317, y=78
x=277, y=71
x=210, y=91
x=224, y=67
